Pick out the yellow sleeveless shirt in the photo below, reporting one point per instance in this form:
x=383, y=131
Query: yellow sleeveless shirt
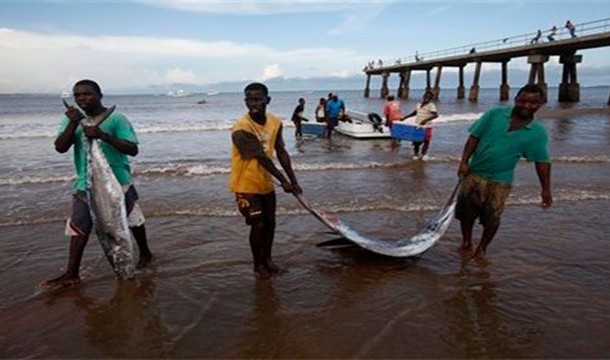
x=247, y=175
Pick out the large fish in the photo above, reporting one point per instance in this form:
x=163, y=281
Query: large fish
x=108, y=210
x=412, y=246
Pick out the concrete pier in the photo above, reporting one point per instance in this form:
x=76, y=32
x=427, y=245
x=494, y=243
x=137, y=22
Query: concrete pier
x=537, y=72
x=569, y=90
x=504, y=87
x=502, y=51
x=460, y=88
x=474, y=89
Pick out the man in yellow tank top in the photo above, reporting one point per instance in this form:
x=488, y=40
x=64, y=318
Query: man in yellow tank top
x=256, y=137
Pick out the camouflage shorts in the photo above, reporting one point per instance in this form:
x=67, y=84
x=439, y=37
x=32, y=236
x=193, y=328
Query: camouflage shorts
x=481, y=198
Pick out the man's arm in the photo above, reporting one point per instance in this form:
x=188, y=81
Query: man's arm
x=124, y=146
x=412, y=113
x=284, y=160
x=64, y=141
x=543, y=170
x=250, y=148
x=469, y=148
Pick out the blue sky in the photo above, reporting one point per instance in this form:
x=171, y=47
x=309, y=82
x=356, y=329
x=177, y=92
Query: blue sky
x=45, y=46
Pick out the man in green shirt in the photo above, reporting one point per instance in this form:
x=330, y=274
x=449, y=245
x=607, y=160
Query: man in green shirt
x=118, y=141
x=496, y=143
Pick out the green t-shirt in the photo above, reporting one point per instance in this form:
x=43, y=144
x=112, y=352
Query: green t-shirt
x=115, y=125
x=499, y=150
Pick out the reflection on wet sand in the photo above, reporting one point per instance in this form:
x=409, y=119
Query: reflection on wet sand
x=477, y=324
x=125, y=326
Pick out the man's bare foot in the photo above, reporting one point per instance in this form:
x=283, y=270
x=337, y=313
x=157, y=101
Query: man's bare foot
x=261, y=273
x=465, y=249
x=274, y=269
x=479, y=257
x=64, y=280
x=144, y=261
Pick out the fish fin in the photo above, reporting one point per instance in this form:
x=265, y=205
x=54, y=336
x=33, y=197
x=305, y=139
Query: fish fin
x=336, y=242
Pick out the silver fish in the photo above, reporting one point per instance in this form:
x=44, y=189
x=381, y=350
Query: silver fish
x=108, y=211
x=413, y=246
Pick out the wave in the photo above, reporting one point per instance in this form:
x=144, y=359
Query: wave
x=8, y=133
x=50, y=131
x=188, y=169
x=206, y=170
x=163, y=128
x=457, y=118
x=427, y=205
x=28, y=134
x=40, y=179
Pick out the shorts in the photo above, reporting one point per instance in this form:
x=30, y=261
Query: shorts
x=257, y=207
x=481, y=198
x=333, y=122
x=80, y=222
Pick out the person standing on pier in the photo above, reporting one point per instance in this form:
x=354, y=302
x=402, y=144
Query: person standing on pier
x=571, y=28
x=552, y=33
x=498, y=139
x=424, y=112
x=537, y=37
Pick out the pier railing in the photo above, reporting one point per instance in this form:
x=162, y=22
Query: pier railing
x=586, y=28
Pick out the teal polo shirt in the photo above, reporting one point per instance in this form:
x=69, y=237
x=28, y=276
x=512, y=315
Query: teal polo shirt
x=499, y=150
x=115, y=125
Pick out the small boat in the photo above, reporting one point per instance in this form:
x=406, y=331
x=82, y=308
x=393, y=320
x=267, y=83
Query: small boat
x=65, y=95
x=179, y=93
x=363, y=126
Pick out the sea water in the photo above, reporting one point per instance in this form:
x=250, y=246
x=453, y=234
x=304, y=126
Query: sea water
x=543, y=293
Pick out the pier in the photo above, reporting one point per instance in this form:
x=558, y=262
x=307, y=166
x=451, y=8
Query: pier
x=538, y=48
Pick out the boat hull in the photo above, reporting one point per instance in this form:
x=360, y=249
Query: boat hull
x=361, y=127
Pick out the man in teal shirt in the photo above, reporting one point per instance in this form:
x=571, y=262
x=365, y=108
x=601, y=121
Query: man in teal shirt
x=118, y=141
x=496, y=143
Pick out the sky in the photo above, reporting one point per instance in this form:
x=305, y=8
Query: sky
x=132, y=46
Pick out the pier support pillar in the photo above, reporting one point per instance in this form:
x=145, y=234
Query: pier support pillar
x=367, y=88
x=537, y=72
x=504, y=87
x=460, y=89
x=437, y=81
x=385, y=91
x=474, y=89
x=569, y=89
x=403, y=89
x=428, y=87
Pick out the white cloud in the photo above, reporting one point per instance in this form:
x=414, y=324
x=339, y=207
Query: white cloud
x=271, y=71
x=41, y=62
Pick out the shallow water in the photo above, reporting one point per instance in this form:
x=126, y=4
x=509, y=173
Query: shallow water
x=543, y=293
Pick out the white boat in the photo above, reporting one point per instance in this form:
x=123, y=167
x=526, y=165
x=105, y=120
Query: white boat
x=65, y=95
x=360, y=126
x=179, y=93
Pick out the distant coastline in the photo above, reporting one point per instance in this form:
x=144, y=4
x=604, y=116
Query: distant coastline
x=374, y=91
